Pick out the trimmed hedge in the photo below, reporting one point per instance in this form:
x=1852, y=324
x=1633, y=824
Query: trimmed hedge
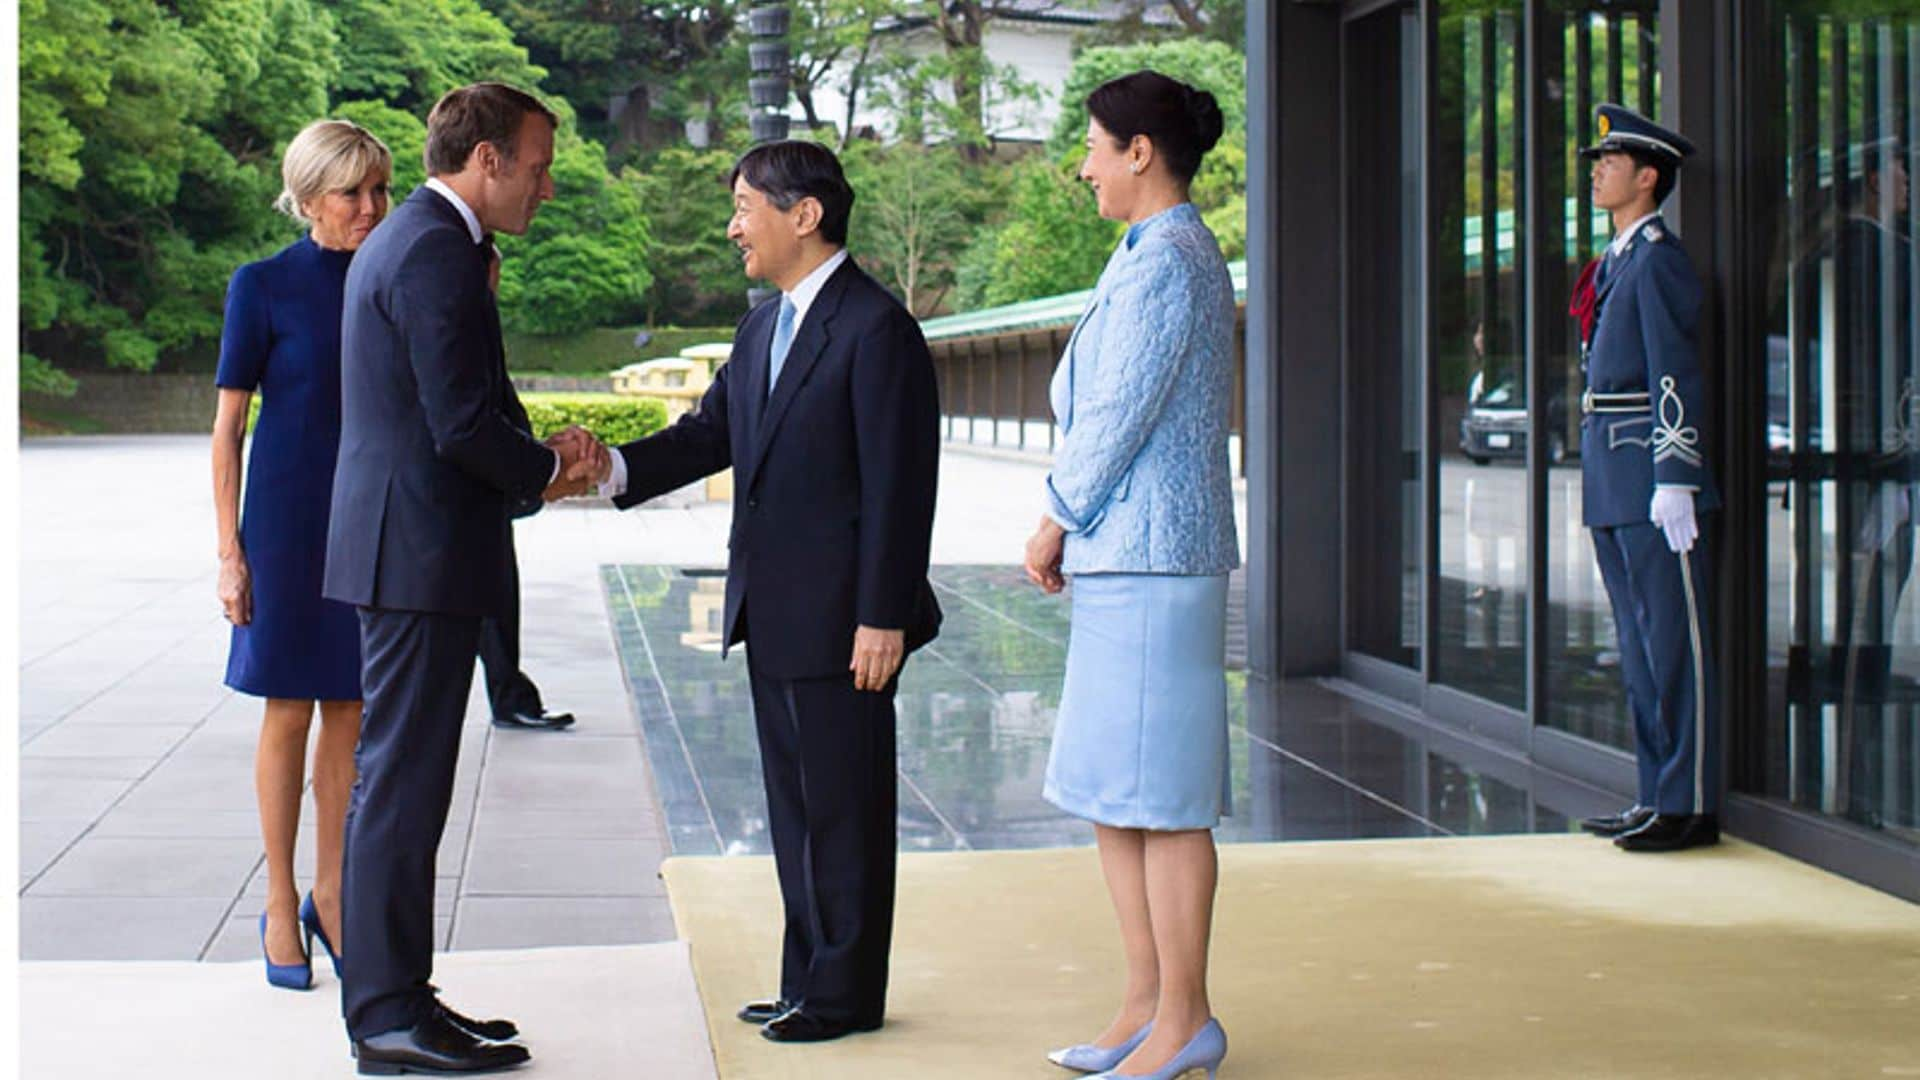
x=599, y=351
x=613, y=418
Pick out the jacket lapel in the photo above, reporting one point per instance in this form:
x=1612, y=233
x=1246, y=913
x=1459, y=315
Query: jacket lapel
x=815, y=332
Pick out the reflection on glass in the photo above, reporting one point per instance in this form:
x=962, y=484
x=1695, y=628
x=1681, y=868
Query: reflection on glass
x=1477, y=323
x=1609, y=57
x=1843, y=445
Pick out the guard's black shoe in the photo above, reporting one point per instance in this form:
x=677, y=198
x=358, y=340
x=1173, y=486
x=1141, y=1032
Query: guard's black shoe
x=492, y=1030
x=435, y=1046
x=1672, y=832
x=800, y=1025
x=759, y=1012
x=1614, y=824
x=541, y=720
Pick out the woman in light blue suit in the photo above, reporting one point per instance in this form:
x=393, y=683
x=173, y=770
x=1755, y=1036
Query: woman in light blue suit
x=1140, y=514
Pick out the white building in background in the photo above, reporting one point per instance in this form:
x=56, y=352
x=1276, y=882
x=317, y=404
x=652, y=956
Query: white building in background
x=1037, y=38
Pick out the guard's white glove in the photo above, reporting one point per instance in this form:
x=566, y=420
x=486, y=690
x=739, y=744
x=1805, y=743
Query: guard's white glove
x=1672, y=512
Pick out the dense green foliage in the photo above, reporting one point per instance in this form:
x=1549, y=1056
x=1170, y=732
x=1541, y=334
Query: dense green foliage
x=151, y=134
x=1052, y=239
x=613, y=418
x=604, y=348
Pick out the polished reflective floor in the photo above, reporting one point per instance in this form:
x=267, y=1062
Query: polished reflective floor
x=976, y=710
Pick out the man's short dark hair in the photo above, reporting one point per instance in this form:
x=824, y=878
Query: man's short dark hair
x=786, y=172
x=1668, y=169
x=486, y=112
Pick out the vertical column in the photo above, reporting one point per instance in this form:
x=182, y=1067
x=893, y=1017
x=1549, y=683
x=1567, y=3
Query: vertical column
x=1293, y=390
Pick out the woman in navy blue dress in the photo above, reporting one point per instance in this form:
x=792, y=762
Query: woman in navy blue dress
x=290, y=646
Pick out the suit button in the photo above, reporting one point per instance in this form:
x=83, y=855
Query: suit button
x=753, y=504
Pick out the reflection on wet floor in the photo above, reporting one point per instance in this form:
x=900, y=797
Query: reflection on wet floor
x=975, y=713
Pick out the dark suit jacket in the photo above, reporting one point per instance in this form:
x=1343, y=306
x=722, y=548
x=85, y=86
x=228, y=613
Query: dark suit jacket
x=834, y=478
x=431, y=458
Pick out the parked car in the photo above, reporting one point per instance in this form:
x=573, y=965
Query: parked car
x=1496, y=422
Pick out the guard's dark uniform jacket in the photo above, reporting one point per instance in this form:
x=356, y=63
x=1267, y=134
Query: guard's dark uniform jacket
x=1643, y=409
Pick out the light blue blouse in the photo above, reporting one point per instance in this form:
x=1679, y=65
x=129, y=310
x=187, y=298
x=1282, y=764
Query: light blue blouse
x=1141, y=480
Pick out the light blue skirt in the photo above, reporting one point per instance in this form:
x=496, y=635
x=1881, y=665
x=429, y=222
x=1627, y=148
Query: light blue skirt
x=1141, y=739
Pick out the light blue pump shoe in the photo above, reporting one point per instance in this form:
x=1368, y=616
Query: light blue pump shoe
x=285, y=976
x=310, y=920
x=1089, y=1058
x=1206, y=1050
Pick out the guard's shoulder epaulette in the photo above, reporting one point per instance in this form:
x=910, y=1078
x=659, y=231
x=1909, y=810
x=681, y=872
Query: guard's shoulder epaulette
x=1654, y=234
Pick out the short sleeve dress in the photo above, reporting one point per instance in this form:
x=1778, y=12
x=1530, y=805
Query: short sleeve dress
x=282, y=340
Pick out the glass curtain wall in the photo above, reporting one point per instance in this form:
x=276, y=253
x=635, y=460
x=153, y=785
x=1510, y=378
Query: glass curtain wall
x=1607, y=54
x=1843, y=423
x=1477, y=327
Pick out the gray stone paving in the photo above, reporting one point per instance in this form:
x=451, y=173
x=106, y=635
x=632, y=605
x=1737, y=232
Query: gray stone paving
x=138, y=834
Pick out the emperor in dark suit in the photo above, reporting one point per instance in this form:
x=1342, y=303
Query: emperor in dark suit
x=827, y=413
x=431, y=459
x=1646, y=481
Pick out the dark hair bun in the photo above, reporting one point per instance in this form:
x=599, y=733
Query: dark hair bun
x=1204, y=108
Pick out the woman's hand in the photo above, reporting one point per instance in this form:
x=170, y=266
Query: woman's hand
x=236, y=589
x=1044, y=550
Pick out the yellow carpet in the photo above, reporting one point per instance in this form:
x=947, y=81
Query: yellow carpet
x=1522, y=957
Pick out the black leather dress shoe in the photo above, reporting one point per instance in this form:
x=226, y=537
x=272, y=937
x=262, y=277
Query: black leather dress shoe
x=1672, y=832
x=435, y=1046
x=544, y=721
x=1614, y=824
x=492, y=1030
x=799, y=1026
x=759, y=1012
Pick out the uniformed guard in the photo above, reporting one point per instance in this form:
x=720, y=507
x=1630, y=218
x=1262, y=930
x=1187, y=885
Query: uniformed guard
x=1647, y=486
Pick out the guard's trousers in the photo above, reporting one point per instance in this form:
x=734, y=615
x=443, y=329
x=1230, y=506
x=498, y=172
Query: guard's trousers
x=1662, y=608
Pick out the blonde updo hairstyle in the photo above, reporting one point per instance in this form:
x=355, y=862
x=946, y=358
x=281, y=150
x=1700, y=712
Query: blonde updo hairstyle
x=327, y=155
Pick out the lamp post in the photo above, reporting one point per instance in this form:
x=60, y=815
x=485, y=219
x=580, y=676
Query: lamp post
x=768, y=87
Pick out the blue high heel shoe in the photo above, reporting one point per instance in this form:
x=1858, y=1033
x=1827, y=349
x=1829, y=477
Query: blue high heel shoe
x=1206, y=1050
x=285, y=976
x=310, y=918
x=1089, y=1058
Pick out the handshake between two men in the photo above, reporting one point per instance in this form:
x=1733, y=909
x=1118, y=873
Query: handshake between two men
x=585, y=463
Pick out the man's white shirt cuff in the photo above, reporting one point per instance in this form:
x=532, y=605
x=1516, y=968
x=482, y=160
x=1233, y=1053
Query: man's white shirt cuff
x=616, y=484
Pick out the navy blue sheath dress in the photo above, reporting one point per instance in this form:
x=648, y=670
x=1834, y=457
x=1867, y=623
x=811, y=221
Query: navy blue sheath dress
x=282, y=340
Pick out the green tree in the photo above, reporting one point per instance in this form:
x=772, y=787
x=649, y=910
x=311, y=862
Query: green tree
x=918, y=208
x=664, y=60
x=1054, y=240
x=583, y=261
x=697, y=277
x=407, y=55
x=147, y=167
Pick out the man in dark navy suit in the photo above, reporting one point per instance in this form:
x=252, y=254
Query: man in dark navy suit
x=827, y=413
x=1646, y=484
x=431, y=460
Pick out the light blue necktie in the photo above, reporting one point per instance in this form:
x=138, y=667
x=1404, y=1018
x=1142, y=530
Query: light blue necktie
x=782, y=342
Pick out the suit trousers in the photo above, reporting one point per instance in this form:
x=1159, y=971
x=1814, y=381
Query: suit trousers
x=827, y=756
x=1662, y=610
x=508, y=688
x=417, y=669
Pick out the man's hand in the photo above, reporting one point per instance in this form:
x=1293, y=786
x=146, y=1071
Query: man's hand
x=1672, y=513
x=236, y=589
x=877, y=656
x=584, y=463
x=1044, y=551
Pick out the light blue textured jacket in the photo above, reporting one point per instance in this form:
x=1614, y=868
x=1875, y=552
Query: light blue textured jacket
x=1141, y=480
